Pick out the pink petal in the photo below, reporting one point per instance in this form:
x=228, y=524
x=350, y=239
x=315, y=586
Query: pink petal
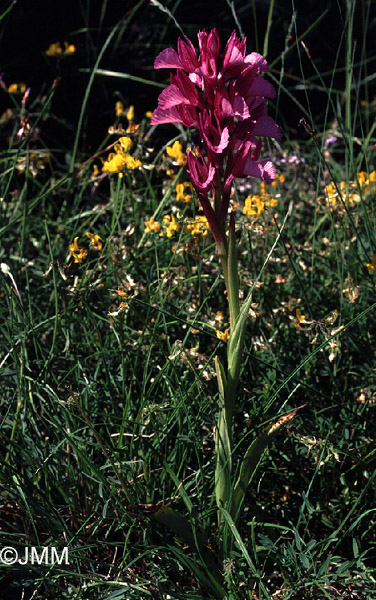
x=168, y=59
x=170, y=97
x=261, y=87
x=187, y=55
x=269, y=173
x=225, y=136
x=196, y=79
x=262, y=170
x=226, y=108
x=170, y=115
x=240, y=108
x=266, y=127
x=257, y=59
x=223, y=142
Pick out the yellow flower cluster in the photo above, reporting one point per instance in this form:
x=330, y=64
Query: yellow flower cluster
x=199, y=226
x=181, y=191
x=348, y=193
x=152, y=226
x=119, y=108
x=278, y=179
x=17, y=88
x=225, y=335
x=78, y=253
x=170, y=226
x=367, y=182
x=120, y=111
x=120, y=160
x=176, y=151
x=256, y=203
x=95, y=240
x=166, y=229
x=59, y=50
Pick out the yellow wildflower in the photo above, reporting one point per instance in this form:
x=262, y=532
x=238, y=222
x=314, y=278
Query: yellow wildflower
x=372, y=265
x=95, y=240
x=223, y=335
x=347, y=191
x=256, y=203
x=119, y=160
x=149, y=114
x=130, y=113
x=78, y=253
x=299, y=317
x=121, y=292
x=95, y=172
x=126, y=143
x=119, y=108
x=362, y=178
x=176, y=151
x=152, y=226
x=172, y=226
x=17, y=88
x=199, y=226
x=59, y=50
x=131, y=163
x=253, y=205
x=367, y=182
x=114, y=164
x=181, y=191
x=278, y=178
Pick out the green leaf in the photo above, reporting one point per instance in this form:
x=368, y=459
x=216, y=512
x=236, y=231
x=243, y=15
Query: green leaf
x=253, y=455
x=223, y=445
x=235, y=347
x=221, y=377
x=193, y=537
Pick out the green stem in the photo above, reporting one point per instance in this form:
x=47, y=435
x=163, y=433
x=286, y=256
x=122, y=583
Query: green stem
x=232, y=277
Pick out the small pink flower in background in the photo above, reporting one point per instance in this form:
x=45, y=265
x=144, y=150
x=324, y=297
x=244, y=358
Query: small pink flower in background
x=224, y=99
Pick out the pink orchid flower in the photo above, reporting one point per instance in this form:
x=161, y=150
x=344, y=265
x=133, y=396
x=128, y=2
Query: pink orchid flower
x=224, y=99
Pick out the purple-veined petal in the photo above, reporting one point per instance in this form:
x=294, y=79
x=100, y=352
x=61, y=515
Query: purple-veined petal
x=170, y=115
x=263, y=170
x=168, y=59
x=171, y=96
x=186, y=87
x=269, y=172
x=187, y=55
x=241, y=110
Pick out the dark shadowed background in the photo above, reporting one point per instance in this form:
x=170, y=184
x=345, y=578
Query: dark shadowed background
x=143, y=30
